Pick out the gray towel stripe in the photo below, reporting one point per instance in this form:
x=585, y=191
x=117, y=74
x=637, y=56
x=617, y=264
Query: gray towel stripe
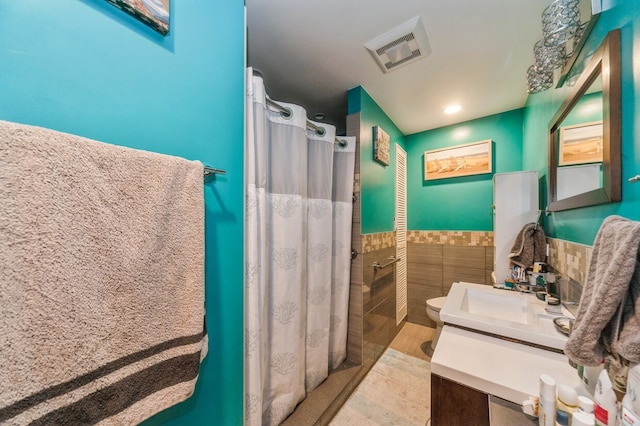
x=112, y=400
x=57, y=390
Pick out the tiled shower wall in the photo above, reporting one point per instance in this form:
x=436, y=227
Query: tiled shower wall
x=372, y=297
x=356, y=325
x=378, y=294
x=437, y=259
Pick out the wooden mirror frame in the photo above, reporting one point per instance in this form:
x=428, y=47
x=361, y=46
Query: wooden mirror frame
x=606, y=63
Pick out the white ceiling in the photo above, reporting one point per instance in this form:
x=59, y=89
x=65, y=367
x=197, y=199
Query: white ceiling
x=311, y=53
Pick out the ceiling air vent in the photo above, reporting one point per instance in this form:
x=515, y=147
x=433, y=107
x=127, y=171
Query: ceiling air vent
x=400, y=46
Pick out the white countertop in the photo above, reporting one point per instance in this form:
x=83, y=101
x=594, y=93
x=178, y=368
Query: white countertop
x=499, y=367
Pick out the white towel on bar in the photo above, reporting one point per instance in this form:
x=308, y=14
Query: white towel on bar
x=101, y=279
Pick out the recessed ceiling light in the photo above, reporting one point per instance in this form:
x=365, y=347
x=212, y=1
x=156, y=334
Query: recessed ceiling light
x=452, y=109
x=318, y=116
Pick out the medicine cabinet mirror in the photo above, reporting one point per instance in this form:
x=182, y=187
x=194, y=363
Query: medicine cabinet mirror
x=584, y=135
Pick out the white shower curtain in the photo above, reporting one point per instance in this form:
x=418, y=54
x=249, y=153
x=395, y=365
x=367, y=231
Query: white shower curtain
x=297, y=253
x=342, y=206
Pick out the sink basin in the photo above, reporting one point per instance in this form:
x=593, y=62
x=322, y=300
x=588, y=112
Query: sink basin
x=494, y=305
x=504, y=313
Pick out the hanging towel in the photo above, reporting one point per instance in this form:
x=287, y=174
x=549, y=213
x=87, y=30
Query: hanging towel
x=530, y=246
x=608, y=322
x=101, y=279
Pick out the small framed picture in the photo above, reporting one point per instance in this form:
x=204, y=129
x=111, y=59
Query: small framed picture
x=380, y=146
x=461, y=160
x=154, y=13
x=581, y=144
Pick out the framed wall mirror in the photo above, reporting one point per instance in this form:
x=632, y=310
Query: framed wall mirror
x=584, y=135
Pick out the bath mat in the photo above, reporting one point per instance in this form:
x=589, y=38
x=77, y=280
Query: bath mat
x=395, y=392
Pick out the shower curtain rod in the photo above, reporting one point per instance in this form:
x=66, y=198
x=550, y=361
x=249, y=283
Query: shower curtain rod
x=320, y=131
x=286, y=112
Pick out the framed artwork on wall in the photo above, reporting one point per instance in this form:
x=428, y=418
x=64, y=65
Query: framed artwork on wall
x=380, y=146
x=581, y=144
x=154, y=13
x=461, y=160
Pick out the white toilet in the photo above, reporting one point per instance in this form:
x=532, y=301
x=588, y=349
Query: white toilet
x=433, y=311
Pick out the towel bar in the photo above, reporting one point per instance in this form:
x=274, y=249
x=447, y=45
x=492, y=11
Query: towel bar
x=210, y=174
x=212, y=171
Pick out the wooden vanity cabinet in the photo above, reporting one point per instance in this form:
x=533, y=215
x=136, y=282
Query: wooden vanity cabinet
x=456, y=404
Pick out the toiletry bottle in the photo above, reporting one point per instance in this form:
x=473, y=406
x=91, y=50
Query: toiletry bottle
x=605, y=401
x=589, y=376
x=584, y=416
x=562, y=418
x=630, y=415
x=585, y=404
x=547, y=410
x=580, y=418
x=567, y=402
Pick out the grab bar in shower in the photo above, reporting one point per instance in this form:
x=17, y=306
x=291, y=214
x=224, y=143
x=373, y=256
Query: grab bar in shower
x=392, y=259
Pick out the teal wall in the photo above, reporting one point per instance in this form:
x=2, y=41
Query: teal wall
x=463, y=203
x=581, y=225
x=84, y=67
x=587, y=110
x=377, y=182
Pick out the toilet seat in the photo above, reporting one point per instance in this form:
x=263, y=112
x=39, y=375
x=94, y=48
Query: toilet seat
x=436, y=303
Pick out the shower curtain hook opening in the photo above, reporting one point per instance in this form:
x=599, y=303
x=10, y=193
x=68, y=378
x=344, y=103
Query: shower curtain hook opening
x=286, y=113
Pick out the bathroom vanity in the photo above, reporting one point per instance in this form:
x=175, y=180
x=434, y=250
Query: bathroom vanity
x=492, y=350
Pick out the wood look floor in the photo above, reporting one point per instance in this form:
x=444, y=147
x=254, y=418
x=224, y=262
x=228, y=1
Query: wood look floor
x=396, y=391
x=414, y=340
